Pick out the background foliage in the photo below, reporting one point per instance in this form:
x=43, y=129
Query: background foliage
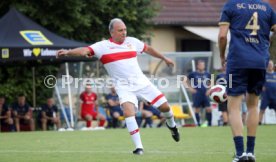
x=82, y=20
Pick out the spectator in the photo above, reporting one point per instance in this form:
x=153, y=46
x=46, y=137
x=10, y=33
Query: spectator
x=269, y=91
x=89, y=108
x=50, y=114
x=114, y=107
x=5, y=115
x=148, y=111
x=199, y=90
x=22, y=113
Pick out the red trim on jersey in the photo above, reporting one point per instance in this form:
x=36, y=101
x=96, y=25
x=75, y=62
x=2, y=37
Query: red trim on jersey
x=145, y=48
x=111, y=40
x=156, y=99
x=107, y=58
x=91, y=52
x=133, y=132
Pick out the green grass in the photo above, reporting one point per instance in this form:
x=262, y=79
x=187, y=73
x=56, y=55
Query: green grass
x=196, y=145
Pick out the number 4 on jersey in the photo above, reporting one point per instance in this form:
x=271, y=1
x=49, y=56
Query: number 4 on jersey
x=253, y=24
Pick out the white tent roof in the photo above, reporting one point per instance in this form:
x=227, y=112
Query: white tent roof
x=207, y=32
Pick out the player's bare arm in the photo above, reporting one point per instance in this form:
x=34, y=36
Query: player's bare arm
x=18, y=116
x=4, y=117
x=82, y=51
x=222, y=40
x=151, y=51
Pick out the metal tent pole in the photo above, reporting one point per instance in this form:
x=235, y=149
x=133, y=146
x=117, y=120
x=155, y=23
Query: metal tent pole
x=69, y=96
x=62, y=106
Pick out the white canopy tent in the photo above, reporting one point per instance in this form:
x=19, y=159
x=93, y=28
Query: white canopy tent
x=209, y=33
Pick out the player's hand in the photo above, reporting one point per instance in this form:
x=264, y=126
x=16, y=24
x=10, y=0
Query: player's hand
x=27, y=117
x=169, y=62
x=208, y=92
x=61, y=53
x=223, y=63
x=192, y=90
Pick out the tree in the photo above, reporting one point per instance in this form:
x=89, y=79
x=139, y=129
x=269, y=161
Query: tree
x=86, y=20
x=82, y=20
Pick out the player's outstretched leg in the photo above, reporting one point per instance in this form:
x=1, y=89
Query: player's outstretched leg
x=168, y=114
x=133, y=129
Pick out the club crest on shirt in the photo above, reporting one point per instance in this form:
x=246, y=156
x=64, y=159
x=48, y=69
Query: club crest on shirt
x=129, y=46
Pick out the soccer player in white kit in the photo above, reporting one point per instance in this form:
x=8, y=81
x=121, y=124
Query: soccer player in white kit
x=119, y=57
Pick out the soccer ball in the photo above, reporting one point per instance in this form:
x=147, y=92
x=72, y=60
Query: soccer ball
x=218, y=94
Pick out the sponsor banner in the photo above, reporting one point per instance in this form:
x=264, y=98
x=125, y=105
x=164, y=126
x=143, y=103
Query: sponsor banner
x=23, y=54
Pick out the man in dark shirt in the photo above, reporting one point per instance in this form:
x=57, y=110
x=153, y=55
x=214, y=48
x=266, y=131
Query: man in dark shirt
x=22, y=113
x=114, y=107
x=247, y=60
x=198, y=88
x=50, y=114
x=5, y=114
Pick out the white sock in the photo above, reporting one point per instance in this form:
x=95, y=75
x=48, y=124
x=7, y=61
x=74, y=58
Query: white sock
x=134, y=131
x=169, y=118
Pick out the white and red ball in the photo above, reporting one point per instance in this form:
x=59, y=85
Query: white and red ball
x=218, y=94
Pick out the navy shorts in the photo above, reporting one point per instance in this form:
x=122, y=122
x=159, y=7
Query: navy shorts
x=244, y=80
x=267, y=102
x=116, y=109
x=200, y=100
x=154, y=111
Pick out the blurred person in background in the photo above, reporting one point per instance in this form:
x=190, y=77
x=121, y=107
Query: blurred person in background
x=50, y=115
x=5, y=115
x=89, y=108
x=22, y=113
x=269, y=91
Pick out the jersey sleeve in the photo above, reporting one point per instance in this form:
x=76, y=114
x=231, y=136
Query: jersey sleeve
x=191, y=75
x=93, y=49
x=225, y=17
x=140, y=46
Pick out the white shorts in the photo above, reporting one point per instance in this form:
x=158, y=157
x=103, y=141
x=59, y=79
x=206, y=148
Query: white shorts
x=150, y=93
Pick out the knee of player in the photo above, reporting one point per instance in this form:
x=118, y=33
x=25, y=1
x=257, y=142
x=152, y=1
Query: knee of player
x=147, y=114
x=116, y=115
x=102, y=117
x=164, y=107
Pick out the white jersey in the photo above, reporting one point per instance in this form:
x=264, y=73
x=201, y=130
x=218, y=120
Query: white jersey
x=120, y=61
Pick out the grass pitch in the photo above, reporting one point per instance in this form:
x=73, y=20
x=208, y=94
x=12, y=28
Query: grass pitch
x=196, y=145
